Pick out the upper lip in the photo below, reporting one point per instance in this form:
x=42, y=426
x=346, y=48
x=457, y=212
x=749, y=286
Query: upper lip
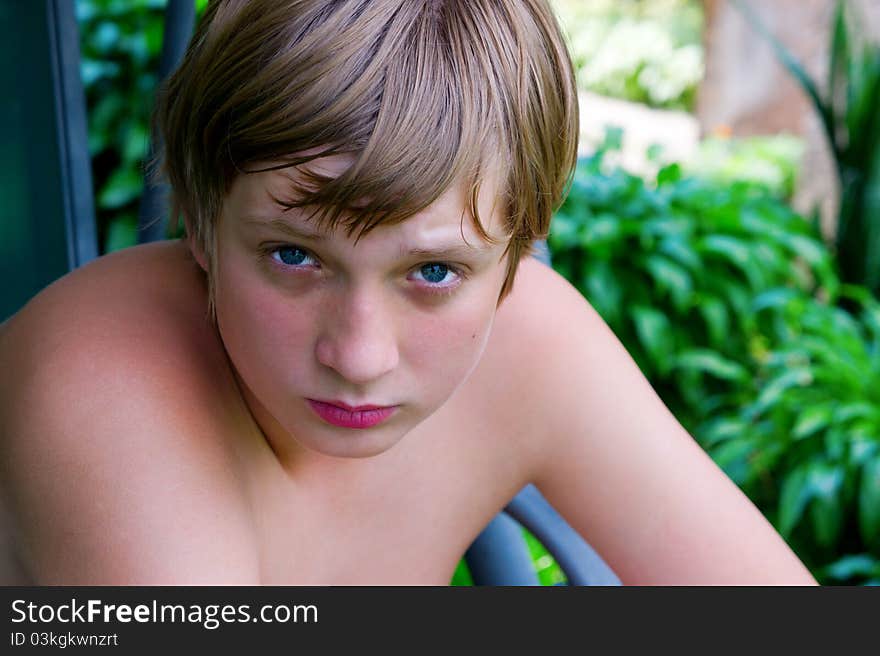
x=354, y=408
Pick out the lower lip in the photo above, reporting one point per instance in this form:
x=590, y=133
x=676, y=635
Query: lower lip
x=337, y=416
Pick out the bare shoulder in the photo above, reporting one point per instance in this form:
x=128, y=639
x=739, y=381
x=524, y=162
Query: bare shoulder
x=524, y=356
x=616, y=462
x=541, y=305
x=110, y=467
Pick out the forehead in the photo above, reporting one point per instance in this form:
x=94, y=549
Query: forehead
x=255, y=196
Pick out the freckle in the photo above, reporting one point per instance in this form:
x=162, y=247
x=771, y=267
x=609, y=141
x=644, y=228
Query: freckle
x=474, y=336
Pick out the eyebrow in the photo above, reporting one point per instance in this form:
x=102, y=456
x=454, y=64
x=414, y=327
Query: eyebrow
x=283, y=226
x=440, y=251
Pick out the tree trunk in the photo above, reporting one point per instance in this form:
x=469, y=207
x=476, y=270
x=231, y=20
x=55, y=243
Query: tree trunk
x=747, y=92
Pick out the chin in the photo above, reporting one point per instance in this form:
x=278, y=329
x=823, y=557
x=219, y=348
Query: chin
x=353, y=445
x=340, y=442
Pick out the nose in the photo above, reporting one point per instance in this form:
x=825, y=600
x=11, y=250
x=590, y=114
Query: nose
x=358, y=340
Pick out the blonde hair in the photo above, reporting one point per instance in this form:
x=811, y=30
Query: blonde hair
x=422, y=92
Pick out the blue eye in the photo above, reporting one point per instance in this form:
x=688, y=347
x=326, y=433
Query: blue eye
x=434, y=272
x=290, y=255
x=440, y=276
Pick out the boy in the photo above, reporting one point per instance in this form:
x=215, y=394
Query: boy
x=333, y=379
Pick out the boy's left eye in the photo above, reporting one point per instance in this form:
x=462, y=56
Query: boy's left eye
x=435, y=273
x=291, y=256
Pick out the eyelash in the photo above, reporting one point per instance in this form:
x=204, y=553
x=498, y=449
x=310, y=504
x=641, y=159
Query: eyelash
x=439, y=290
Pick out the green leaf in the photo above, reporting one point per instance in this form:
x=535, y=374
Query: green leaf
x=793, y=499
x=736, y=251
x=548, y=570
x=671, y=278
x=669, y=174
x=733, y=458
x=813, y=252
x=564, y=229
x=123, y=187
x=731, y=248
x=599, y=231
x=603, y=290
x=717, y=319
x=861, y=448
x=856, y=410
x=712, y=363
x=720, y=430
x=462, y=574
x=840, y=57
x=869, y=501
x=826, y=516
x=851, y=566
x=666, y=227
x=613, y=140
x=836, y=443
x=122, y=233
x=824, y=481
x=775, y=388
x=681, y=250
x=812, y=420
x=137, y=142
x=655, y=334
x=774, y=298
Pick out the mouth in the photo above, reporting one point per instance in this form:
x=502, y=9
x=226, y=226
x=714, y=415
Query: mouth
x=345, y=416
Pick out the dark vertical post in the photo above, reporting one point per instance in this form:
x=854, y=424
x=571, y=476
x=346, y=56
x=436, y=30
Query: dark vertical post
x=72, y=128
x=47, y=221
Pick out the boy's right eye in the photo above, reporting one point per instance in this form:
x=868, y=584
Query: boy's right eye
x=292, y=256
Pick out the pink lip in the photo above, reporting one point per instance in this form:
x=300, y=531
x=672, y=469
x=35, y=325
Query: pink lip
x=340, y=414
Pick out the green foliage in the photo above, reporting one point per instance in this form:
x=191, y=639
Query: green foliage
x=673, y=268
x=462, y=574
x=769, y=161
x=120, y=43
x=850, y=114
x=804, y=444
x=729, y=303
x=647, y=51
x=549, y=572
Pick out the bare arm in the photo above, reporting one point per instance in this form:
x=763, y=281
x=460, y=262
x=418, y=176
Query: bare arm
x=629, y=478
x=107, y=481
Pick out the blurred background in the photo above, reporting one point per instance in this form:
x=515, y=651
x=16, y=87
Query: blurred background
x=724, y=220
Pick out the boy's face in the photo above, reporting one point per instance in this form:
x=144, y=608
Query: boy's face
x=311, y=321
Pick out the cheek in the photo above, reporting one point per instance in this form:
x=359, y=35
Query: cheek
x=443, y=349
x=448, y=347
x=262, y=336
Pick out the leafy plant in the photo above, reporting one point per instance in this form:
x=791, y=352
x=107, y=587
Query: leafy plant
x=805, y=444
x=120, y=44
x=673, y=267
x=850, y=114
x=728, y=301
